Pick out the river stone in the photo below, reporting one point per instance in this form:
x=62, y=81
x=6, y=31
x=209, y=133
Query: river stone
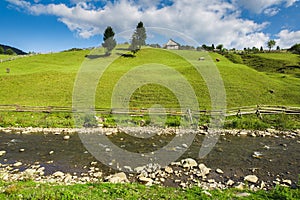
x=230, y=182
x=58, y=174
x=188, y=163
x=287, y=182
x=97, y=174
x=17, y=164
x=2, y=153
x=66, y=137
x=219, y=171
x=29, y=173
x=204, y=170
x=117, y=178
x=169, y=170
x=240, y=186
x=251, y=178
x=139, y=169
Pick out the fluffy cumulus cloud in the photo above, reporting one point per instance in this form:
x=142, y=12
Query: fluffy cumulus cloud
x=287, y=38
x=206, y=21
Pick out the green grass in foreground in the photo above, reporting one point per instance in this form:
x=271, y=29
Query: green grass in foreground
x=33, y=191
x=66, y=120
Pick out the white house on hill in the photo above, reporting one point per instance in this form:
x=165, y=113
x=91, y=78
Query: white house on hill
x=171, y=44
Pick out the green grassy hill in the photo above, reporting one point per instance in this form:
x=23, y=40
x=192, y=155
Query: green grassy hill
x=284, y=63
x=48, y=80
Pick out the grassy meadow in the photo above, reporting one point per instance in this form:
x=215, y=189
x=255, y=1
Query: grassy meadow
x=48, y=80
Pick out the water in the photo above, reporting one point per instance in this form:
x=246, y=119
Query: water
x=267, y=157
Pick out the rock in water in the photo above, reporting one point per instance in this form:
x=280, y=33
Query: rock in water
x=17, y=164
x=66, y=137
x=219, y=171
x=2, y=153
x=251, y=178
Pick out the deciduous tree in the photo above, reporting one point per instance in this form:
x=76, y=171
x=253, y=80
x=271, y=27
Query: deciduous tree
x=271, y=44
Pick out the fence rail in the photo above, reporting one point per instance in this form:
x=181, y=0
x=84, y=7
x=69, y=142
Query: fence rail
x=259, y=110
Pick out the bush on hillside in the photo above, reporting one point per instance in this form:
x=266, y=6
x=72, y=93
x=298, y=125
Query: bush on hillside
x=235, y=58
x=1, y=50
x=10, y=52
x=295, y=49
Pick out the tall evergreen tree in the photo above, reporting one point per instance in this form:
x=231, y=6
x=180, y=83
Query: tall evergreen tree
x=141, y=34
x=138, y=38
x=109, y=41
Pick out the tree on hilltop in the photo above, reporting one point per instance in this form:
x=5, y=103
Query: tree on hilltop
x=271, y=44
x=138, y=38
x=219, y=47
x=109, y=41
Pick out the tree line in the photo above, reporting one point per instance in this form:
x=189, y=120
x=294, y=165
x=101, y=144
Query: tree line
x=8, y=51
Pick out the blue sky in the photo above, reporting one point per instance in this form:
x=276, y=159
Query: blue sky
x=55, y=25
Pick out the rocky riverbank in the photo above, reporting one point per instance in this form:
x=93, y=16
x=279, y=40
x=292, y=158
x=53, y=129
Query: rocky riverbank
x=56, y=155
x=137, y=131
x=185, y=173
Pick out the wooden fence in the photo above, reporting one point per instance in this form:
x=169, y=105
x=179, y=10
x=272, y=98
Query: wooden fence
x=259, y=110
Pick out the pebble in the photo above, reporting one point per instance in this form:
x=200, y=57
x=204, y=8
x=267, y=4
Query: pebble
x=189, y=163
x=66, y=137
x=58, y=174
x=51, y=152
x=21, y=150
x=117, y=178
x=17, y=164
x=230, y=182
x=287, y=182
x=203, y=170
x=2, y=153
x=169, y=170
x=251, y=178
x=219, y=171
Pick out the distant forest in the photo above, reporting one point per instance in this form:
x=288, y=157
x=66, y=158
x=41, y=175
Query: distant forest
x=17, y=51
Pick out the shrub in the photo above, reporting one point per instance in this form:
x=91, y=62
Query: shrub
x=235, y=58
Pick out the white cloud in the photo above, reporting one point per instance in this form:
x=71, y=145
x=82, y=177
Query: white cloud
x=286, y=38
x=207, y=21
x=259, y=6
x=271, y=11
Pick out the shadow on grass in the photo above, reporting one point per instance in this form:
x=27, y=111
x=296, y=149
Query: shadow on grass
x=97, y=56
x=126, y=55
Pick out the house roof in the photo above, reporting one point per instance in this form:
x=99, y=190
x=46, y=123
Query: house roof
x=172, y=43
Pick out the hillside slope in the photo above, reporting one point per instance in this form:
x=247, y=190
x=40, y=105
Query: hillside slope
x=48, y=80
